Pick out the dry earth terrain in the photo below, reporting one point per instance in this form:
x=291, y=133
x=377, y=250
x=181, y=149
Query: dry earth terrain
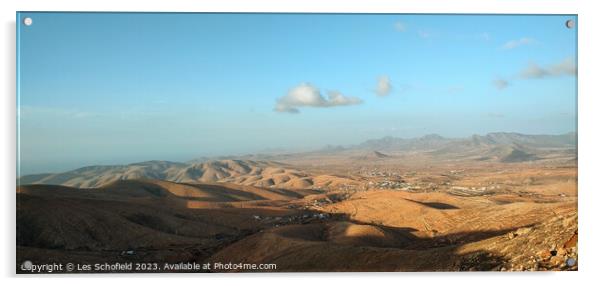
x=501, y=202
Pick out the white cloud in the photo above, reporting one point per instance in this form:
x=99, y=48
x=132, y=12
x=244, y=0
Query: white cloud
x=500, y=83
x=566, y=67
x=400, y=27
x=517, y=43
x=421, y=32
x=307, y=95
x=383, y=86
x=336, y=98
x=285, y=108
x=534, y=71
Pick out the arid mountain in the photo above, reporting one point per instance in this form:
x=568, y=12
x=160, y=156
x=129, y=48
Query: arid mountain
x=95, y=176
x=134, y=214
x=241, y=172
x=390, y=212
x=370, y=156
x=389, y=143
x=498, y=147
x=270, y=171
x=433, y=141
x=568, y=140
x=397, y=231
x=493, y=147
x=513, y=154
x=527, y=228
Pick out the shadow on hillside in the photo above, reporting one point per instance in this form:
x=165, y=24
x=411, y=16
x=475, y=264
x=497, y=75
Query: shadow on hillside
x=74, y=229
x=442, y=250
x=436, y=205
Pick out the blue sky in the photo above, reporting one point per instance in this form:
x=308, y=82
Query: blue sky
x=112, y=88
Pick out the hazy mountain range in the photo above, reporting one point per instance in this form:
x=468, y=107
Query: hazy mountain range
x=269, y=171
x=434, y=141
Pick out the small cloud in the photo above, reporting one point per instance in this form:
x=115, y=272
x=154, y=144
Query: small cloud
x=307, y=95
x=534, y=71
x=336, y=98
x=383, y=86
x=285, y=108
x=400, y=27
x=517, y=43
x=566, y=67
x=500, y=83
x=422, y=33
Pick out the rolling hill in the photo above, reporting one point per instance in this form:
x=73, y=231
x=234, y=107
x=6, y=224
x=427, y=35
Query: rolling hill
x=456, y=216
x=241, y=172
x=139, y=214
x=495, y=147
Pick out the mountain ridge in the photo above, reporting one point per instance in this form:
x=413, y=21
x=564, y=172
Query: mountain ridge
x=241, y=172
x=493, y=138
x=270, y=171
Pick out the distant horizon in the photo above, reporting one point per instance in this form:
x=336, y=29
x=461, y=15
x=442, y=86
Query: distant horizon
x=111, y=88
x=269, y=151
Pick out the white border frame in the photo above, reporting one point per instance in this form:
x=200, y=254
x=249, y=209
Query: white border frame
x=589, y=95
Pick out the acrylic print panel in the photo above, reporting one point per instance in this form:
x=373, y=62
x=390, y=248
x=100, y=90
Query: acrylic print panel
x=195, y=142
